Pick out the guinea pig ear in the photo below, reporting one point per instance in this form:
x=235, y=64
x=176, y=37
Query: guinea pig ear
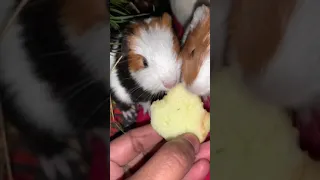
x=166, y=19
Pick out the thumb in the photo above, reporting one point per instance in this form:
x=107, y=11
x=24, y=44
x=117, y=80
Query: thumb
x=173, y=160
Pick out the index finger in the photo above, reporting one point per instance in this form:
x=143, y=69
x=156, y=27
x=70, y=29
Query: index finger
x=128, y=146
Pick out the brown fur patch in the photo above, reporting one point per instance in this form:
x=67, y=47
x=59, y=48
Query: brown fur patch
x=165, y=21
x=195, y=50
x=135, y=62
x=256, y=29
x=81, y=15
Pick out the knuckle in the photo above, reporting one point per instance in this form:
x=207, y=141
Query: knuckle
x=180, y=155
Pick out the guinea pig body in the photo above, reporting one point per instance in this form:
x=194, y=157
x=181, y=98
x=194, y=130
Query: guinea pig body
x=148, y=64
x=195, y=53
x=53, y=65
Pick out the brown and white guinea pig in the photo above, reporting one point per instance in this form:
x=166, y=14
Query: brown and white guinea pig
x=276, y=47
x=183, y=10
x=54, y=70
x=219, y=9
x=149, y=65
x=195, y=53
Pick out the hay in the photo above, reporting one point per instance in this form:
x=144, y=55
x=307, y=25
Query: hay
x=113, y=120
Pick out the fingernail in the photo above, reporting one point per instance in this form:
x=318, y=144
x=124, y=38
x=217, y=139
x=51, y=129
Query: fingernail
x=193, y=140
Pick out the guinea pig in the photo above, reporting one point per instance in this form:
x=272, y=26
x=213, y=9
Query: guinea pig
x=147, y=66
x=54, y=71
x=183, y=10
x=276, y=45
x=195, y=53
x=219, y=10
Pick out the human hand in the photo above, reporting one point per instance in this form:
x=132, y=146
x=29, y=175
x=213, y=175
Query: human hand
x=181, y=158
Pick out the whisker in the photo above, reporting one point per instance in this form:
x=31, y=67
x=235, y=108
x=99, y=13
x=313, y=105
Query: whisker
x=54, y=54
x=134, y=89
x=141, y=95
x=79, y=84
x=85, y=86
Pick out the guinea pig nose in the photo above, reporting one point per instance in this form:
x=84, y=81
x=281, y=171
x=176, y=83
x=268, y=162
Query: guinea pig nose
x=169, y=85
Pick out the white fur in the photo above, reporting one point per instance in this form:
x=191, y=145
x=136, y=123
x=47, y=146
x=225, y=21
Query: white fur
x=32, y=94
x=156, y=45
x=201, y=85
x=198, y=16
x=92, y=48
x=183, y=9
x=293, y=76
x=118, y=89
x=146, y=107
x=148, y=20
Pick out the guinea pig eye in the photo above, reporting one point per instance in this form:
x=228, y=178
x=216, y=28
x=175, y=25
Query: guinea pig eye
x=145, y=63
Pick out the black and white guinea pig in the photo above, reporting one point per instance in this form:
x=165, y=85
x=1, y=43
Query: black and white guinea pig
x=54, y=70
x=195, y=53
x=148, y=64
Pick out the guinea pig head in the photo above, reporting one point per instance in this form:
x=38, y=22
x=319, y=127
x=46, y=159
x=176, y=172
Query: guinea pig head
x=195, y=53
x=153, y=51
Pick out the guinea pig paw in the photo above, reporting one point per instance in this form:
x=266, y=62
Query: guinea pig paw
x=146, y=107
x=54, y=166
x=59, y=166
x=63, y=167
x=129, y=117
x=48, y=168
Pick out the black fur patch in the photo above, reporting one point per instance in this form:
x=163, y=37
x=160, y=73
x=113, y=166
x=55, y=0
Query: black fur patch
x=126, y=80
x=85, y=98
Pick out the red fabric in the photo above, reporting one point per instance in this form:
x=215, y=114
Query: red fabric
x=24, y=158
x=23, y=176
x=98, y=168
x=177, y=27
